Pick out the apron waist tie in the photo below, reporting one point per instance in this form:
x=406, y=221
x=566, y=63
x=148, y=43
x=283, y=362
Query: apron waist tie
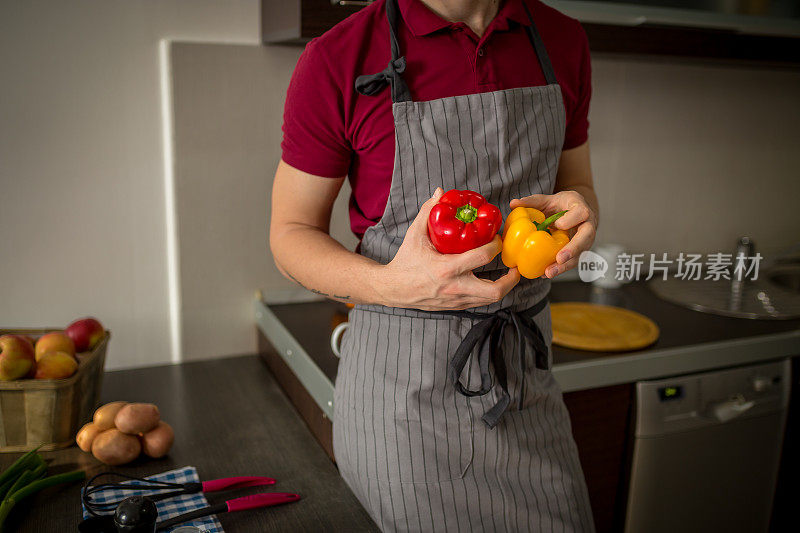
x=487, y=336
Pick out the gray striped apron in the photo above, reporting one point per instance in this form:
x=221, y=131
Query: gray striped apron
x=424, y=445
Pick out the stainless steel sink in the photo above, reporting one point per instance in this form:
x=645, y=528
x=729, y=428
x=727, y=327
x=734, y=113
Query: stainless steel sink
x=786, y=277
x=774, y=295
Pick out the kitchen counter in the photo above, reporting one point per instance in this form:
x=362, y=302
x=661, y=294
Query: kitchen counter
x=230, y=419
x=690, y=341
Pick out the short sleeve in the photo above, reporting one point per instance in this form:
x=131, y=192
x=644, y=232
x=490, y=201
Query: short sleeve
x=578, y=121
x=314, y=138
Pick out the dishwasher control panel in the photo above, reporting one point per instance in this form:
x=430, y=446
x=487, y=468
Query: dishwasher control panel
x=688, y=402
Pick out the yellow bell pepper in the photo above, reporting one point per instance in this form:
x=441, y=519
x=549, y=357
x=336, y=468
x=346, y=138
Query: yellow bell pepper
x=528, y=244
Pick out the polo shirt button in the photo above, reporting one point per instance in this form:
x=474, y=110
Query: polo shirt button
x=480, y=52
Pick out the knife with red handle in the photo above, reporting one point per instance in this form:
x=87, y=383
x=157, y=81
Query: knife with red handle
x=214, y=485
x=244, y=503
x=238, y=482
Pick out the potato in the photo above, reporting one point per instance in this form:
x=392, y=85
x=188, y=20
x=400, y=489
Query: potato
x=104, y=416
x=136, y=418
x=114, y=447
x=86, y=436
x=157, y=442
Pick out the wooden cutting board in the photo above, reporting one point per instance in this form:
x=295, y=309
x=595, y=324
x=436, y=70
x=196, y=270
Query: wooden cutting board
x=600, y=328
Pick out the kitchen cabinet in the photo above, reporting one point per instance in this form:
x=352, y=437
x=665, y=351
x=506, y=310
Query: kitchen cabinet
x=298, y=21
x=603, y=412
x=784, y=512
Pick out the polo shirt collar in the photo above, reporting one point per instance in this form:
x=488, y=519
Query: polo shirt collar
x=422, y=21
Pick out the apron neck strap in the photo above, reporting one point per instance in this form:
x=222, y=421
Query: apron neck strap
x=538, y=47
x=371, y=84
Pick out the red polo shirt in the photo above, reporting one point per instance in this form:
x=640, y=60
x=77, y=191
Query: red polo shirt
x=330, y=130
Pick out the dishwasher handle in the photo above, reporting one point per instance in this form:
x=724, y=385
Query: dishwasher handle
x=729, y=409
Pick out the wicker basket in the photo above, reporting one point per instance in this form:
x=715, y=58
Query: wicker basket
x=50, y=411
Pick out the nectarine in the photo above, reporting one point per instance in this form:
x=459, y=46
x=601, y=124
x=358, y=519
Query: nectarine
x=55, y=341
x=85, y=333
x=16, y=357
x=55, y=365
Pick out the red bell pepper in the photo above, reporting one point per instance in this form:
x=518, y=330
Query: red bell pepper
x=461, y=221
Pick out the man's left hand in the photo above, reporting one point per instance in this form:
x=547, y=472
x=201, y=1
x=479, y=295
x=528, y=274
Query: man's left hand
x=580, y=221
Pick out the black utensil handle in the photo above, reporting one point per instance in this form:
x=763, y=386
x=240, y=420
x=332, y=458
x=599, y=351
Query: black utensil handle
x=191, y=515
x=172, y=494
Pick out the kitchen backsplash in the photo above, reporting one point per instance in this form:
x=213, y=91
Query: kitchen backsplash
x=688, y=157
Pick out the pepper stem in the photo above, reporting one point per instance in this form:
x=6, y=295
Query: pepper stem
x=467, y=213
x=549, y=220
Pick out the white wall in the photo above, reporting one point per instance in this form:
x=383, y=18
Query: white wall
x=228, y=110
x=83, y=216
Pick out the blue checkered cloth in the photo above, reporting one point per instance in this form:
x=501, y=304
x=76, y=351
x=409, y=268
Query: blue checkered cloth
x=172, y=506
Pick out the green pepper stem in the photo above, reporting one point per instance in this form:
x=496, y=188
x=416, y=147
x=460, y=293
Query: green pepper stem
x=549, y=220
x=467, y=213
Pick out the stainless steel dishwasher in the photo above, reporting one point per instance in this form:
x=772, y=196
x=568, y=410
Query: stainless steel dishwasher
x=706, y=450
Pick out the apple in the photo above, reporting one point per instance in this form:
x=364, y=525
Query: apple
x=85, y=333
x=55, y=365
x=17, y=357
x=55, y=341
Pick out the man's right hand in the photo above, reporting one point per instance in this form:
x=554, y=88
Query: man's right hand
x=420, y=277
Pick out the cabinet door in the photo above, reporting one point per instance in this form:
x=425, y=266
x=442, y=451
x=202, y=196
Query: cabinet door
x=784, y=512
x=298, y=21
x=601, y=427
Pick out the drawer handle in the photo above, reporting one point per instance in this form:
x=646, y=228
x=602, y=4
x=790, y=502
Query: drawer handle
x=728, y=410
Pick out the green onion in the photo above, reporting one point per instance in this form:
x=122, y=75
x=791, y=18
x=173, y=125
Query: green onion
x=23, y=463
x=37, y=462
x=24, y=479
x=28, y=488
x=32, y=462
x=36, y=486
x=5, y=486
x=39, y=471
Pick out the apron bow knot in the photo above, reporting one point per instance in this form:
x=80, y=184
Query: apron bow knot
x=487, y=337
x=372, y=84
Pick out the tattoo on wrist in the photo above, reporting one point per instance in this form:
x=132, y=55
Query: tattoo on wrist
x=315, y=291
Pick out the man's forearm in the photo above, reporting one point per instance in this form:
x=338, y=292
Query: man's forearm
x=316, y=261
x=575, y=174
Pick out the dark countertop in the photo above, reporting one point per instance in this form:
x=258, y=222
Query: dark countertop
x=230, y=419
x=680, y=326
